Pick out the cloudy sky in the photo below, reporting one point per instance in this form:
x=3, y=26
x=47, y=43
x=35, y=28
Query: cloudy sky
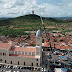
x=46, y=8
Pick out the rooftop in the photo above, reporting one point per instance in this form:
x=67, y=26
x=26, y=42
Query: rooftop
x=28, y=49
x=4, y=45
x=46, y=44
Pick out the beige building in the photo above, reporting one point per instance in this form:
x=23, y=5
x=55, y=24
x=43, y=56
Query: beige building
x=27, y=56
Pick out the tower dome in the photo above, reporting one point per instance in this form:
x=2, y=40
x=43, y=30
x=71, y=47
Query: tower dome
x=39, y=33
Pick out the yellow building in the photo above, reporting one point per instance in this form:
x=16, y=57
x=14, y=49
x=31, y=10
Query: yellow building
x=27, y=56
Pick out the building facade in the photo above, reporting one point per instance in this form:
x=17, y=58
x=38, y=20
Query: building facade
x=27, y=56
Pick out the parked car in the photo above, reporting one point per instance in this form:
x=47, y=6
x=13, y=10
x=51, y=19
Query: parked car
x=38, y=69
x=0, y=66
x=11, y=67
x=42, y=69
x=21, y=68
x=57, y=63
x=24, y=67
x=32, y=68
x=56, y=52
x=8, y=67
x=50, y=56
x=14, y=67
x=27, y=68
x=4, y=66
x=1, y=70
x=18, y=67
x=45, y=70
x=62, y=54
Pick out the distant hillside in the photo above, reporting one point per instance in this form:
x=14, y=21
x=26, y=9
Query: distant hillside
x=62, y=18
x=24, y=19
x=32, y=22
x=5, y=18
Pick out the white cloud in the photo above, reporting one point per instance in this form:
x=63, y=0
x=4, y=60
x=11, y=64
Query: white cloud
x=68, y=1
x=14, y=8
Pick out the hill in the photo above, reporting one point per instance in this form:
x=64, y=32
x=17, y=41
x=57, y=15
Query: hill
x=32, y=22
x=23, y=19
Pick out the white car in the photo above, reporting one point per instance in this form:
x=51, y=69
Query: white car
x=34, y=69
x=18, y=71
x=42, y=69
x=14, y=67
x=1, y=70
x=8, y=71
x=45, y=69
x=6, y=67
x=9, y=67
x=56, y=52
x=14, y=71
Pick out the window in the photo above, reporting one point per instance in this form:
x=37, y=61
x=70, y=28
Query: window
x=11, y=62
x=4, y=54
x=0, y=59
x=37, y=64
x=5, y=61
x=24, y=63
x=32, y=64
x=18, y=62
x=37, y=59
x=24, y=53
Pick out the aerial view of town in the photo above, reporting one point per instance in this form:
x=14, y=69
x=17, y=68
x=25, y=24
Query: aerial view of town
x=35, y=35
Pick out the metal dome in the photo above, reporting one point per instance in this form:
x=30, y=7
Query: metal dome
x=39, y=33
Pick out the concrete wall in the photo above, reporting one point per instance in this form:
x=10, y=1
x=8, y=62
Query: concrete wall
x=15, y=59
x=4, y=51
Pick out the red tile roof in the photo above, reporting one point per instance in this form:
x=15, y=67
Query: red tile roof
x=23, y=49
x=63, y=47
x=4, y=45
x=22, y=55
x=52, y=44
x=70, y=42
x=46, y=44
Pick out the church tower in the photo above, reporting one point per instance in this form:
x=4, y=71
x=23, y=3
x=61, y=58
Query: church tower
x=39, y=38
x=39, y=44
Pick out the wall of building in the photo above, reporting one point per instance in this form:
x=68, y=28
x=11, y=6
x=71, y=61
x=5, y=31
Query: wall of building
x=22, y=53
x=28, y=61
x=3, y=52
x=15, y=59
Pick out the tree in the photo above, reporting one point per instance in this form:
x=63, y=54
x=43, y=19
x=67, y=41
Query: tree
x=42, y=40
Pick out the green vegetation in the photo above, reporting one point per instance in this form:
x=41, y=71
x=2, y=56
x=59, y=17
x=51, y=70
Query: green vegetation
x=42, y=40
x=17, y=26
x=28, y=37
x=55, y=40
x=61, y=40
x=32, y=44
